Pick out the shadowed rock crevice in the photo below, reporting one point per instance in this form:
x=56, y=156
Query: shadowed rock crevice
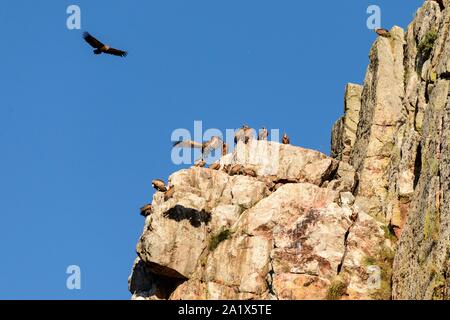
x=196, y=218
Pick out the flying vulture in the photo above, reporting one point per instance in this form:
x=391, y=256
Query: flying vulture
x=101, y=47
x=206, y=147
x=286, y=139
x=263, y=134
x=159, y=185
x=383, y=32
x=244, y=134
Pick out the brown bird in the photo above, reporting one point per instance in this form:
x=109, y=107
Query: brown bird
x=263, y=134
x=226, y=168
x=249, y=172
x=285, y=139
x=244, y=134
x=215, y=166
x=101, y=47
x=159, y=185
x=169, y=193
x=236, y=169
x=206, y=147
x=146, y=210
x=200, y=163
x=224, y=149
x=383, y=32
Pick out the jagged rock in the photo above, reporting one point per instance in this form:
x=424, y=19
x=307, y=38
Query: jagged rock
x=229, y=237
x=303, y=224
x=344, y=131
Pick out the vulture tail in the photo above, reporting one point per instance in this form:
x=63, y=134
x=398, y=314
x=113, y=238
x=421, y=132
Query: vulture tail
x=97, y=51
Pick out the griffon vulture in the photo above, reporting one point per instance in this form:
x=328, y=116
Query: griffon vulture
x=286, y=139
x=101, y=47
x=159, y=185
x=146, y=210
x=263, y=134
x=244, y=134
x=383, y=32
x=206, y=147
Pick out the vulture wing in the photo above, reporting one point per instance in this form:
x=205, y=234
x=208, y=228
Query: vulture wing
x=92, y=41
x=212, y=145
x=188, y=144
x=116, y=52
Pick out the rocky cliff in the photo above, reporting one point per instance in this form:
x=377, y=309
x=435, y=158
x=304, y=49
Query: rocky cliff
x=370, y=222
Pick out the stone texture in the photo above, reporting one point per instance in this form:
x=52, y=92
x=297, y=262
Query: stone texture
x=373, y=219
x=282, y=243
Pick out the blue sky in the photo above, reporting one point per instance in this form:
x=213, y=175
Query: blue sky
x=82, y=136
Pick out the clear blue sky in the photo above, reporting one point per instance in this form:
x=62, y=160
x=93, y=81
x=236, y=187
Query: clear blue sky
x=82, y=136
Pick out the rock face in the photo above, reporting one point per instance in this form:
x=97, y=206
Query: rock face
x=370, y=222
x=291, y=232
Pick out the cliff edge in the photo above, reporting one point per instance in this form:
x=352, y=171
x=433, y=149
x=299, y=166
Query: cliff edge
x=370, y=222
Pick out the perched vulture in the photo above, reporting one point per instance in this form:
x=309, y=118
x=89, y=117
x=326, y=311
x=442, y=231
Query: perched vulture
x=383, y=32
x=169, y=193
x=249, y=172
x=159, y=185
x=200, y=163
x=244, y=134
x=215, y=166
x=263, y=134
x=101, y=47
x=286, y=139
x=206, y=147
x=224, y=149
x=236, y=169
x=146, y=210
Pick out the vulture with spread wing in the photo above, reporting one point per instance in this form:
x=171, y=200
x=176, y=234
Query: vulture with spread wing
x=206, y=147
x=101, y=47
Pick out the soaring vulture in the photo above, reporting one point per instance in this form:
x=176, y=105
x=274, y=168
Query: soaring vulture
x=101, y=47
x=206, y=147
x=263, y=134
x=383, y=32
x=286, y=139
x=244, y=134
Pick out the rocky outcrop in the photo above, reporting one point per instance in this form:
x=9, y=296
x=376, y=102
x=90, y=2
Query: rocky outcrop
x=372, y=221
x=290, y=232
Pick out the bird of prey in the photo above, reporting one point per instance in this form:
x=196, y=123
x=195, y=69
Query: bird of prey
x=224, y=149
x=169, y=193
x=146, y=210
x=159, y=185
x=245, y=134
x=383, y=32
x=200, y=163
x=263, y=134
x=285, y=139
x=249, y=172
x=215, y=166
x=101, y=47
x=236, y=170
x=206, y=147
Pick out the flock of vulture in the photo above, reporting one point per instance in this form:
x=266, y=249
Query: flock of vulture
x=244, y=134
